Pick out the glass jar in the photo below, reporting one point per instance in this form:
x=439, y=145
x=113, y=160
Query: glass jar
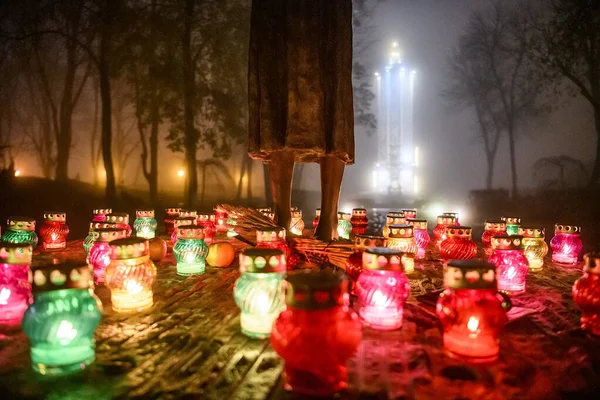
x=492, y=228
x=409, y=213
x=511, y=264
x=121, y=220
x=145, y=224
x=344, y=227
x=421, y=236
x=221, y=220
x=130, y=275
x=392, y=218
x=534, y=246
x=88, y=242
x=317, y=218
x=190, y=251
x=359, y=221
x=273, y=238
x=439, y=232
x=401, y=237
x=354, y=263
x=15, y=288
x=54, y=231
x=458, y=244
x=472, y=311
x=183, y=213
x=297, y=224
x=181, y=221
x=20, y=230
x=259, y=291
x=566, y=244
x=512, y=225
x=61, y=321
x=170, y=215
x=317, y=333
x=210, y=230
x=453, y=215
x=99, y=214
x=99, y=259
x=382, y=288
x=586, y=294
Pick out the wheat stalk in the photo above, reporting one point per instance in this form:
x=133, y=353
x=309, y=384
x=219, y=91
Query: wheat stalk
x=247, y=221
x=320, y=253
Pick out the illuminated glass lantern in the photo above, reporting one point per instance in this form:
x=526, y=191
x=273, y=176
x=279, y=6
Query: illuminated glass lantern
x=586, y=293
x=231, y=223
x=393, y=218
x=170, y=215
x=566, y=244
x=99, y=258
x=221, y=220
x=88, y=242
x=259, y=291
x=512, y=225
x=180, y=221
x=491, y=228
x=354, y=263
x=188, y=213
x=54, y=231
x=130, y=275
x=60, y=323
x=190, y=251
x=344, y=227
x=472, y=311
x=264, y=210
x=20, y=230
x=121, y=220
x=409, y=213
x=273, y=238
x=15, y=289
x=421, y=236
x=382, y=288
x=534, y=246
x=402, y=238
x=145, y=225
x=452, y=214
x=359, y=221
x=99, y=214
x=317, y=217
x=317, y=333
x=439, y=232
x=210, y=230
x=458, y=244
x=297, y=224
x=511, y=264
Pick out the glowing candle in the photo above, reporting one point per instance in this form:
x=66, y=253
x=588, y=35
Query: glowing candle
x=471, y=311
x=409, y=213
x=54, y=231
x=402, y=238
x=534, y=246
x=61, y=321
x=453, y=215
x=210, y=230
x=297, y=224
x=458, y=244
x=145, y=225
x=221, y=220
x=511, y=264
x=421, y=236
x=382, y=288
x=273, y=238
x=231, y=223
x=317, y=333
x=15, y=289
x=354, y=263
x=99, y=259
x=566, y=244
x=130, y=275
x=317, y=218
x=170, y=215
x=121, y=220
x=259, y=292
x=586, y=293
x=393, y=218
x=344, y=227
x=181, y=221
x=20, y=230
x=492, y=228
x=512, y=225
x=359, y=221
x=99, y=214
x=439, y=232
x=190, y=251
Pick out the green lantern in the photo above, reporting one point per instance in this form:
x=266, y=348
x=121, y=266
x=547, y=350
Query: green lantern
x=20, y=230
x=145, y=224
x=512, y=225
x=190, y=251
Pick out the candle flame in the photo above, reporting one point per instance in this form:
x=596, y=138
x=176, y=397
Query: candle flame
x=261, y=301
x=379, y=299
x=473, y=324
x=4, y=295
x=133, y=287
x=53, y=236
x=65, y=331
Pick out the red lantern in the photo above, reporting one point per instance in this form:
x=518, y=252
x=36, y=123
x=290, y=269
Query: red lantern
x=274, y=238
x=54, y=231
x=439, y=232
x=421, y=235
x=100, y=214
x=511, y=264
x=359, y=221
x=317, y=217
x=458, y=244
x=409, y=213
x=492, y=228
x=210, y=230
x=170, y=215
x=566, y=244
x=586, y=293
x=354, y=263
x=221, y=220
x=452, y=214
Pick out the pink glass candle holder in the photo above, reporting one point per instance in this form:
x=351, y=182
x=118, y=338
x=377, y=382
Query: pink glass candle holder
x=472, y=311
x=317, y=217
x=54, y=231
x=273, y=238
x=421, y=236
x=354, y=263
x=393, y=218
x=409, y=213
x=382, y=288
x=180, y=221
x=99, y=214
x=566, y=244
x=458, y=244
x=359, y=221
x=15, y=289
x=99, y=259
x=586, y=294
x=121, y=220
x=170, y=215
x=316, y=334
x=210, y=230
x=512, y=225
x=492, y=228
x=511, y=264
x=452, y=214
x=534, y=246
x=402, y=238
x=439, y=232
x=221, y=220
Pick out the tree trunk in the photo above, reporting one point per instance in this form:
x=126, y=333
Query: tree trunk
x=64, y=135
x=513, y=162
x=104, y=77
x=153, y=178
x=249, y=180
x=490, y=172
x=267, y=183
x=595, y=175
x=188, y=104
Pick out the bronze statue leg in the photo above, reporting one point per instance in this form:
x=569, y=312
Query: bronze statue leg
x=332, y=172
x=281, y=171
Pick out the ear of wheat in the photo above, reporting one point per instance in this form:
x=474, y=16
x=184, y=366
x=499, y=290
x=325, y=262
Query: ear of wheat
x=323, y=253
x=245, y=221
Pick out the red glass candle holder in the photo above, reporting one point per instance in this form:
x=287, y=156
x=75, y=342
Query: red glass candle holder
x=99, y=214
x=511, y=264
x=421, y=236
x=586, y=293
x=354, y=263
x=402, y=238
x=452, y=214
x=170, y=215
x=566, y=244
x=54, y=231
x=492, y=228
x=439, y=232
x=534, y=246
x=472, y=311
x=99, y=257
x=512, y=225
x=274, y=238
x=15, y=288
x=409, y=213
x=317, y=333
x=220, y=220
x=458, y=244
x=382, y=288
x=317, y=217
x=393, y=218
x=121, y=220
x=210, y=230
x=359, y=221
x=180, y=221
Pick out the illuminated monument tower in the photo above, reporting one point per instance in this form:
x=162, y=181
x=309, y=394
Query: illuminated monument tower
x=395, y=170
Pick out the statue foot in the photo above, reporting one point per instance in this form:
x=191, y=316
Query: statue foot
x=326, y=232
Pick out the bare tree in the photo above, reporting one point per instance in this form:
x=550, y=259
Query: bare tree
x=126, y=141
x=560, y=172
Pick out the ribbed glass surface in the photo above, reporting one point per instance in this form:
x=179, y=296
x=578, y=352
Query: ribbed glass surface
x=15, y=293
x=190, y=255
x=145, y=227
x=260, y=298
x=18, y=236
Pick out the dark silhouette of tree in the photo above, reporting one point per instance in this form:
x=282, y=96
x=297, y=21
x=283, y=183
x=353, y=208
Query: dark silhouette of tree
x=560, y=172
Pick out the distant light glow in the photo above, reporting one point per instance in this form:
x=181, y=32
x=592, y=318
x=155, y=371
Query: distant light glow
x=416, y=156
x=416, y=184
x=180, y=173
x=376, y=73
x=394, y=44
x=413, y=72
x=18, y=172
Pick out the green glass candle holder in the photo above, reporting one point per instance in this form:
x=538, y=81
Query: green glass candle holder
x=20, y=230
x=190, y=250
x=145, y=225
x=344, y=227
x=512, y=225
